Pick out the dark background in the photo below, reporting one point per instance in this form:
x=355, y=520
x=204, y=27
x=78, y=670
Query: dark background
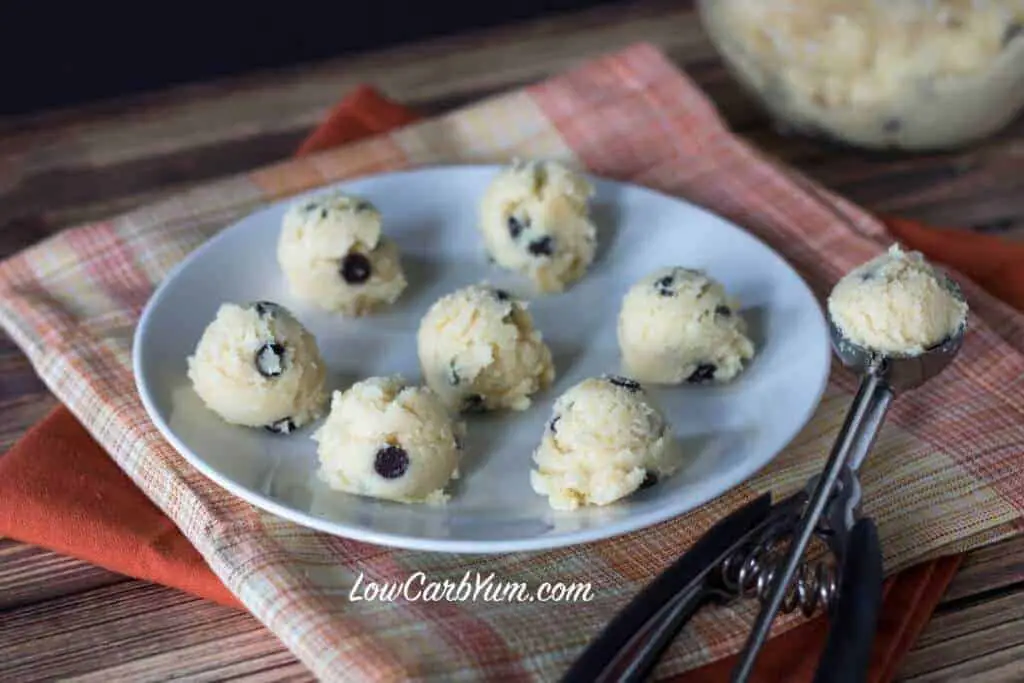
x=64, y=53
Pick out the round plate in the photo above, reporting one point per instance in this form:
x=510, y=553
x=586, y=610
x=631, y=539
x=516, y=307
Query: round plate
x=728, y=432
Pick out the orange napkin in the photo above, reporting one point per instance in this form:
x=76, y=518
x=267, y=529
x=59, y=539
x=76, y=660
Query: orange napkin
x=59, y=490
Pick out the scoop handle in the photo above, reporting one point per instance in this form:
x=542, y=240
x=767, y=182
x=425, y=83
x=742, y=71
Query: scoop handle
x=854, y=440
x=631, y=644
x=877, y=395
x=855, y=619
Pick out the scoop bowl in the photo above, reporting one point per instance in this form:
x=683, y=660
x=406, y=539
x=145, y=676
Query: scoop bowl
x=901, y=372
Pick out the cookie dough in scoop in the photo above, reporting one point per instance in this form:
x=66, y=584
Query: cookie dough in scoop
x=897, y=303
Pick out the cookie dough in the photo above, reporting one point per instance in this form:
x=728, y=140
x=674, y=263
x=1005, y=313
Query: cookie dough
x=333, y=254
x=605, y=440
x=479, y=351
x=534, y=221
x=912, y=74
x=896, y=303
x=388, y=439
x=679, y=325
x=257, y=366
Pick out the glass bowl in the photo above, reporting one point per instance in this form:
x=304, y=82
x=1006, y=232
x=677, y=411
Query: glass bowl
x=879, y=74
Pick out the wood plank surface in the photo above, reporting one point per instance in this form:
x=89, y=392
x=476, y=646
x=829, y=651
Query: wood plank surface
x=61, y=619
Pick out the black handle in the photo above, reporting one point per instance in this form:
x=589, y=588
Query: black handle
x=638, y=659
x=855, y=619
x=603, y=650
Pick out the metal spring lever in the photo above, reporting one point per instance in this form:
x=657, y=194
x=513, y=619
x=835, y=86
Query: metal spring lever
x=751, y=575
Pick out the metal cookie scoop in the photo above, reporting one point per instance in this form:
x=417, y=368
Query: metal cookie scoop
x=758, y=550
x=836, y=491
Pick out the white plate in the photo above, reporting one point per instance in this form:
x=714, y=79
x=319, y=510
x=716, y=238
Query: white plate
x=729, y=432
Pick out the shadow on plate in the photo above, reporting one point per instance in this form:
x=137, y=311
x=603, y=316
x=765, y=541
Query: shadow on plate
x=288, y=484
x=422, y=274
x=387, y=516
x=564, y=356
x=337, y=381
x=606, y=216
x=482, y=431
x=756, y=318
x=704, y=453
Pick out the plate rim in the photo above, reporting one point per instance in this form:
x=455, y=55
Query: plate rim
x=629, y=524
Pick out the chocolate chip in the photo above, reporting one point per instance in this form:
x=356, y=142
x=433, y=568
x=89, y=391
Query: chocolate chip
x=703, y=373
x=283, y=426
x=516, y=226
x=312, y=206
x=543, y=246
x=266, y=309
x=1013, y=30
x=503, y=296
x=323, y=213
x=664, y=285
x=473, y=403
x=453, y=375
x=892, y=125
x=631, y=385
x=554, y=424
x=362, y=205
x=355, y=268
x=650, y=479
x=723, y=311
x=391, y=462
x=270, y=360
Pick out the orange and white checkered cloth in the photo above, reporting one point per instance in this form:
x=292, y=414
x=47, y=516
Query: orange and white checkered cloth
x=945, y=474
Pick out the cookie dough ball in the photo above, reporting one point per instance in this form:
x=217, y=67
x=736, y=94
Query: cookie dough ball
x=678, y=325
x=605, y=440
x=897, y=303
x=479, y=351
x=332, y=254
x=257, y=366
x=534, y=221
x=387, y=439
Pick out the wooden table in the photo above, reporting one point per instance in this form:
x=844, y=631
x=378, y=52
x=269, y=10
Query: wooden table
x=64, y=167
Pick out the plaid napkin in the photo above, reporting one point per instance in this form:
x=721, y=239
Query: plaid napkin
x=942, y=477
